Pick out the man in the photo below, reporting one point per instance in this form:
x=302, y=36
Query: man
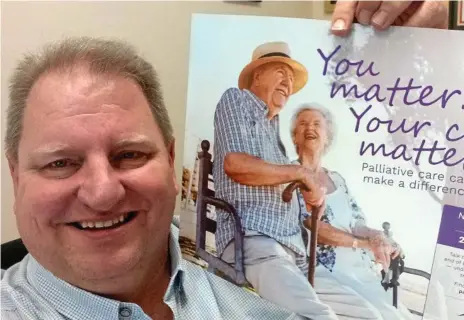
x=91, y=152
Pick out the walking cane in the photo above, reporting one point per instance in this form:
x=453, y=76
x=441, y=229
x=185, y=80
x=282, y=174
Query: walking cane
x=287, y=197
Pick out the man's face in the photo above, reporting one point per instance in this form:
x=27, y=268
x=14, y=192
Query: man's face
x=95, y=186
x=310, y=131
x=274, y=85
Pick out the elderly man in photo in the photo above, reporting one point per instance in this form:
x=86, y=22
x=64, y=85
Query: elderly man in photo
x=251, y=171
x=91, y=152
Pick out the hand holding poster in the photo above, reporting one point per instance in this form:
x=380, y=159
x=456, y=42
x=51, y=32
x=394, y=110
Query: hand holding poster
x=375, y=120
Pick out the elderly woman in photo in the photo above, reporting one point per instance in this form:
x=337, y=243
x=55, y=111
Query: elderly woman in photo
x=346, y=245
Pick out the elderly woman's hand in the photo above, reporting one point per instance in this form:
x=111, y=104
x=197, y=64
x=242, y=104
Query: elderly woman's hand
x=382, y=250
x=383, y=14
x=397, y=250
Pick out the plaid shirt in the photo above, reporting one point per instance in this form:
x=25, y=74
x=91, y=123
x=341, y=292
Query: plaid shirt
x=241, y=125
x=29, y=291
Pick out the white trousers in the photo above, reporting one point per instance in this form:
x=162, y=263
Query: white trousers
x=370, y=289
x=272, y=271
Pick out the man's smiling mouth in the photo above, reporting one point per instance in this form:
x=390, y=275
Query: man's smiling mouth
x=105, y=224
x=283, y=92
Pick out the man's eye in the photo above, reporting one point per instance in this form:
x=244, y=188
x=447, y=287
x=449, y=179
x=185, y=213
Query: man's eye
x=130, y=159
x=130, y=155
x=60, y=169
x=62, y=163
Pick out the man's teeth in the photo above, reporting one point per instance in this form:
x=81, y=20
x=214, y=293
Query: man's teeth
x=102, y=224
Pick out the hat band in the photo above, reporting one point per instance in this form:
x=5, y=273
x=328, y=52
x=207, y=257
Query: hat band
x=274, y=54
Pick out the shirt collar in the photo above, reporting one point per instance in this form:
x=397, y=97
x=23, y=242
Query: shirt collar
x=76, y=303
x=178, y=264
x=257, y=100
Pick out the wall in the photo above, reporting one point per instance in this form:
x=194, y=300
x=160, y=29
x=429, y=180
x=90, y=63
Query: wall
x=159, y=29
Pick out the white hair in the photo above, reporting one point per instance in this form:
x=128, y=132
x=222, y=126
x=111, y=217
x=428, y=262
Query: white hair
x=326, y=114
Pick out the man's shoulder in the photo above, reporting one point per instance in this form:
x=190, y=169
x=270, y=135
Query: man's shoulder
x=13, y=282
x=232, y=92
x=231, y=99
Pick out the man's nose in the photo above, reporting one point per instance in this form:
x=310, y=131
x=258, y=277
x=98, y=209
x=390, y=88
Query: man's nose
x=287, y=81
x=101, y=189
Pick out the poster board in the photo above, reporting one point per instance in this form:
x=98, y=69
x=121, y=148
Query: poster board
x=398, y=146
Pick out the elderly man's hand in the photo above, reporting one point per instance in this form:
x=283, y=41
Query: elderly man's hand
x=383, y=14
x=315, y=197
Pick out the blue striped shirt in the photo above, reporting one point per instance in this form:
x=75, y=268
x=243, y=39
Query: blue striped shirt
x=28, y=291
x=241, y=125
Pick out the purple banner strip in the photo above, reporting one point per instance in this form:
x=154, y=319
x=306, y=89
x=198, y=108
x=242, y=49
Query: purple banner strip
x=452, y=227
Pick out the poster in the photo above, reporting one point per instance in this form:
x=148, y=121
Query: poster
x=396, y=104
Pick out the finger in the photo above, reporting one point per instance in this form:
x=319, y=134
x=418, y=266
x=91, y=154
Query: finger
x=320, y=210
x=342, y=17
x=383, y=262
x=381, y=259
x=310, y=185
x=431, y=14
x=318, y=198
x=379, y=256
x=395, y=255
x=387, y=13
x=387, y=258
x=365, y=10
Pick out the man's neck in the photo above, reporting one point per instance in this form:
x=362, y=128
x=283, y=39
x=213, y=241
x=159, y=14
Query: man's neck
x=145, y=285
x=272, y=110
x=149, y=295
x=271, y=115
x=150, y=298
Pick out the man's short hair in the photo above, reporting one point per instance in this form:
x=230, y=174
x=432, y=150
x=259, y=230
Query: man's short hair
x=102, y=57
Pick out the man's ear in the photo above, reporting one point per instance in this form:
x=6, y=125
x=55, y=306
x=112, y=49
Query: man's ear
x=13, y=166
x=255, y=78
x=172, y=158
x=172, y=152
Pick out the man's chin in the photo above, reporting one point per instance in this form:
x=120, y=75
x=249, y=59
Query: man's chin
x=280, y=104
x=106, y=266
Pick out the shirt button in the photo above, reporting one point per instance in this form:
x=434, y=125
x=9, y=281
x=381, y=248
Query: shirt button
x=125, y=312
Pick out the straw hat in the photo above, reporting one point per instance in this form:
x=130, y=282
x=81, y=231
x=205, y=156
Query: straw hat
x=273, y=52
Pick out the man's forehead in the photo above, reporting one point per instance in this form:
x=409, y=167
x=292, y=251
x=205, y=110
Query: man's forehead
x=113, y=109
x=124, y=140
x=80, y=91
x=281, y=66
